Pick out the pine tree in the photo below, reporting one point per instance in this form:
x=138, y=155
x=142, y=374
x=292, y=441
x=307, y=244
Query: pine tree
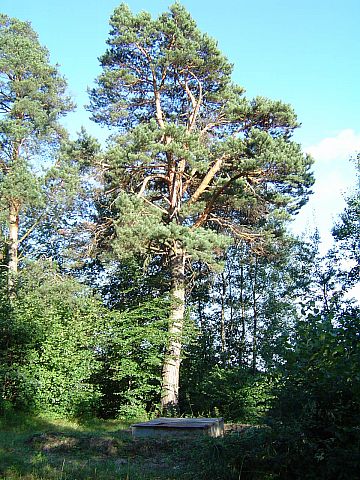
x=32, y=99
x=195, y=162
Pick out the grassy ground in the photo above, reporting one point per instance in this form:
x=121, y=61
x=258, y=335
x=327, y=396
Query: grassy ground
x=40, y=448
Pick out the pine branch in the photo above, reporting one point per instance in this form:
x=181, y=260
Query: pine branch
x=148, y=179
x=207, y=179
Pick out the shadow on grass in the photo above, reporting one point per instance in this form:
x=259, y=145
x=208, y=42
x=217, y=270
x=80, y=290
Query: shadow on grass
x=35, y=448
x=41, y=448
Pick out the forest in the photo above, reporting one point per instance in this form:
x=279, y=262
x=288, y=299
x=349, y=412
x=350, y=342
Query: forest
x=157, y=275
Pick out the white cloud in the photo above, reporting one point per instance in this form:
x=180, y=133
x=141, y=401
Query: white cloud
x=334, y=178
x=342, y=146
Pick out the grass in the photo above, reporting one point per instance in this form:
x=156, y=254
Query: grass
x=46, y=448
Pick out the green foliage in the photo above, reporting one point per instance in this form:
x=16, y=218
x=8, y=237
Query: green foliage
x=139, y=226
x=233, y=393
x=46, y=447
x=32, y=99
x=132, y=336
x=77, y=356
x=130, y=350
x=246, y=455
x=194, y=164
x=318, y=398
x=168, y=89
x=69, y=189
x=247, y=313
x=32, y=91
x=48, y=344
x=130, y=36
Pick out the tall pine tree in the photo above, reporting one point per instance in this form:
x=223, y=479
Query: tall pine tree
x=195, y=162
x=32, y=99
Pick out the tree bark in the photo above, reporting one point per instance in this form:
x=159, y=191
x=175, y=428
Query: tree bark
x=171, y=368
x=13, y=246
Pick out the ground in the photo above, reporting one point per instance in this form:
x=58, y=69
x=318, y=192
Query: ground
x=49, y=449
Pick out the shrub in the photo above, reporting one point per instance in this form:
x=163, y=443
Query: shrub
x=234, y=393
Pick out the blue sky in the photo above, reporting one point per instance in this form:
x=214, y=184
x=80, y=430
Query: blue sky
x=304, y=52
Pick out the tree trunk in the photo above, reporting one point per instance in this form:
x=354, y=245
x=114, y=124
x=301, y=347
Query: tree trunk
x=222, y=319
x=13, y=246
x=255, y=317
x=171, y=369
x=242, y=343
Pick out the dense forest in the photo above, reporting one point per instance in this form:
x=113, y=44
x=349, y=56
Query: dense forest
x=156, y=274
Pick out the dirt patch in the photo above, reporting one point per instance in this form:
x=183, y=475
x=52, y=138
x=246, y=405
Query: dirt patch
x=53, y=441
x=64, y=443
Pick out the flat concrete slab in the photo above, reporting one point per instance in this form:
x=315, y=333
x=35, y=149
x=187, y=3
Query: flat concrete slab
x=160, y=427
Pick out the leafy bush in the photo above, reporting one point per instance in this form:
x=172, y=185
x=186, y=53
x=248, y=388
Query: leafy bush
x=63, y=351
x=47, y=344
x=313, y=431
x=318, y=400
x=130, y=353
x=253, y=454
x=234, y=393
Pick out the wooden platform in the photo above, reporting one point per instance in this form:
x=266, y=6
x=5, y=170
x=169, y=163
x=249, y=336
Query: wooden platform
x=160, y=427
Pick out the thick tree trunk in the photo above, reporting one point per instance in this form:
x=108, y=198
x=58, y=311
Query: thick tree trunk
x=171, y=369
x=13, y=246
